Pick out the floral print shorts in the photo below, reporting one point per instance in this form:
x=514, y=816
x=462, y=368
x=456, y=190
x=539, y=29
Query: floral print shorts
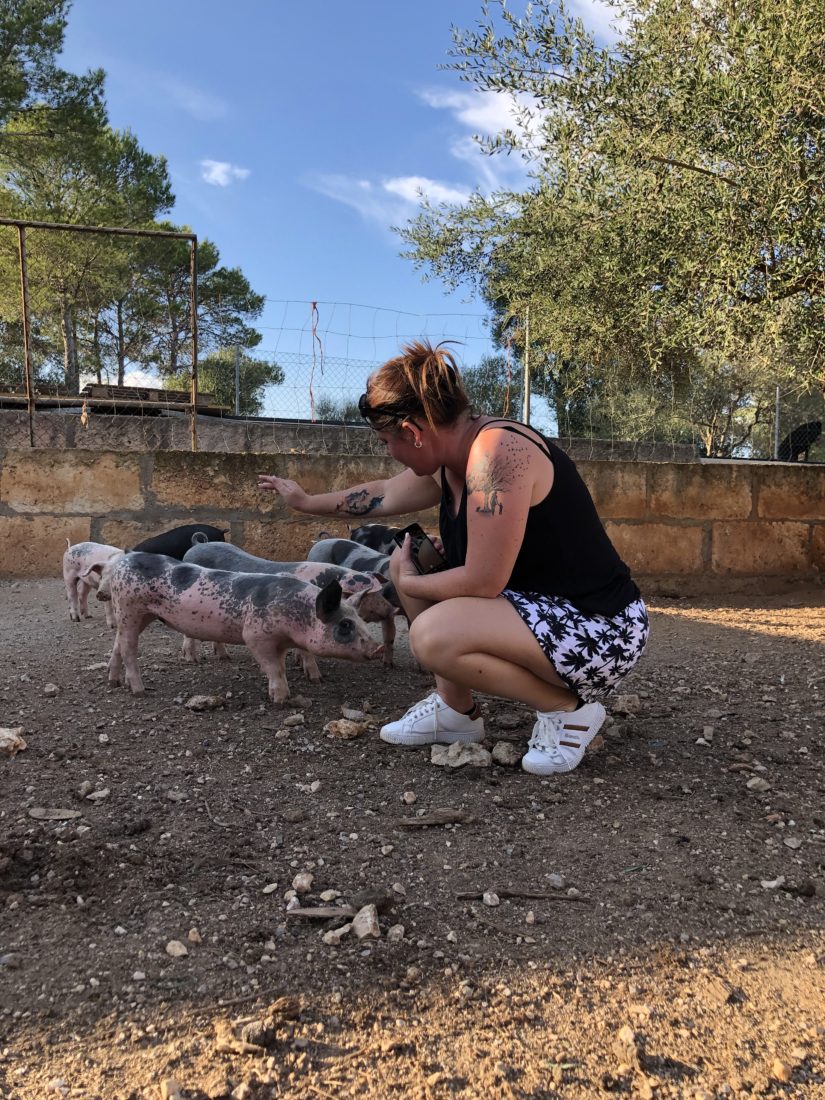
x=591, y=653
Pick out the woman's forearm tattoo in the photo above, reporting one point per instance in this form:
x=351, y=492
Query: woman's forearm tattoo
x=359, y=503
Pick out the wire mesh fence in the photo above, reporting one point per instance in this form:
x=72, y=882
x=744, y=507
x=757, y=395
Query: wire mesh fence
x=112, y=337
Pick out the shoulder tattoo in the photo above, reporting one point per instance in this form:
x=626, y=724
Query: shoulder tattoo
x=490, y=476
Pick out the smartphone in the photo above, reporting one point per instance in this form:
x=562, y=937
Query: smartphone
x=426, y=556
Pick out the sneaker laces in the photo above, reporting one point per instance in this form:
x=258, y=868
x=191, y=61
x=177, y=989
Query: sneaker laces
x=426, y=706
x=546, y=737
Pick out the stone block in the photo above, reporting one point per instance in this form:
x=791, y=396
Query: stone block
x=790, y=492
x=618, y=488
x=712, y=491
x=760, y=548
x=33, y=546
x=659, y=548
x=86, y=482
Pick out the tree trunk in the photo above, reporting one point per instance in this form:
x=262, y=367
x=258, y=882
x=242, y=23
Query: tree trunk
x=70, y=364
x=121, y=349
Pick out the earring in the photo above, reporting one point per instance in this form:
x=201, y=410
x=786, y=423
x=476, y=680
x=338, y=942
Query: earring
x=418, y=444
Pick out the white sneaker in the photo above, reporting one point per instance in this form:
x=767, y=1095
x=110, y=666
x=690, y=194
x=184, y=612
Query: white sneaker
x=560, y=738
x=432, y=722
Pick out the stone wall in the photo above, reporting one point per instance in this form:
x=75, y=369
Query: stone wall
x=62, y=428
x=684, y=529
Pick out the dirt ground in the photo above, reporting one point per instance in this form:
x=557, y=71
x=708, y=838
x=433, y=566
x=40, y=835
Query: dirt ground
x=653, y=926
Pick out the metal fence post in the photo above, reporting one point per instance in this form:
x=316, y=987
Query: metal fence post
x=193, y=317
x=525, y=415
x=27, y=353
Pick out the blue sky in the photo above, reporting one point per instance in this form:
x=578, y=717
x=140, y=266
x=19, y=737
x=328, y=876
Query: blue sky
x=296, y=135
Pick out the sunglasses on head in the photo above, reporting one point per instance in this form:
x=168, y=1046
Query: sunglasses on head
x=381, y=417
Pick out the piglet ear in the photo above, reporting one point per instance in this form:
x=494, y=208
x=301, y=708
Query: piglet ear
x=328, y=601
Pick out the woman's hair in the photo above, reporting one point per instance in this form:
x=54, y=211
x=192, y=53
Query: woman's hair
x=423, y=381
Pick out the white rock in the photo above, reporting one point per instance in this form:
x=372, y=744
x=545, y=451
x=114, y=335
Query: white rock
x=409, y=797
x=98, y=796
x=103, y=738
x=11, y=740
x=335, y=935
x=556, y=882
x=626, y=704
x=330, y=895
x=792, y=842
x=458, y=755
x=491, y=898
x=139, y=976
x=205, y=702
x=507, y=754
x=170, y=1089
x=396, y=933
x=176, y=949
x=757, y=783
x=51, y=689
x=302, y=883
x=194, y=936
x=365, y=923
x=270, y=888
x=772, y=884
x=296, y=719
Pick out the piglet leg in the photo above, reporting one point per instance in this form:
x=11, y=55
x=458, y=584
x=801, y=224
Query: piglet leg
x=270, y=657
x=310, y=665
x=388, y=637
x=71, y=593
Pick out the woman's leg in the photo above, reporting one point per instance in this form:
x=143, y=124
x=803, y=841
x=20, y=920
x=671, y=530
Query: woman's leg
x=474, y=644
x=454, y=695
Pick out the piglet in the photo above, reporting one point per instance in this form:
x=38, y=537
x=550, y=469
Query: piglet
x=176, y=542
x=268, y=614
x=362, y=590
x=377, y=536
x=82, y=567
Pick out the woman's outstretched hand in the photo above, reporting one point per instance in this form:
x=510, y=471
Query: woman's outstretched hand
x=290, y=491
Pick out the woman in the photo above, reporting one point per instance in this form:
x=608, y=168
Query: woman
x=536, y=604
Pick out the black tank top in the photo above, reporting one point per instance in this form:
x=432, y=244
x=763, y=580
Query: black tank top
x=565, y=551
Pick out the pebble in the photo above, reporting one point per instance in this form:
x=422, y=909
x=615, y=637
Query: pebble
x=506, y=754
x=781, y=1071
x=51, y=689
x=176, y=949
x=98, y=796
x=296, y=719
x=396, y=933
x=758, y=784
x=792, y=842
x=365, y=923
x=556, y=881
x=489, y=897
x=194, y=936
x=409, y=798
x=270, y=888
x=330, y=895
x=335, y=935
x=302, y=883
x=458, y=756
x=11, y=740
x=170, y=1089
x=205, y=702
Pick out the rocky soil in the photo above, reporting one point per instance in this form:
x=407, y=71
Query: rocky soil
x=245, y=901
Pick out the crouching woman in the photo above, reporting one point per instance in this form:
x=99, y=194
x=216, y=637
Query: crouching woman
x=535, y=604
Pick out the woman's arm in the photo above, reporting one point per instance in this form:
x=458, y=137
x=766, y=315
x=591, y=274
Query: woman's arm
x=505, y=475
x=406, y=492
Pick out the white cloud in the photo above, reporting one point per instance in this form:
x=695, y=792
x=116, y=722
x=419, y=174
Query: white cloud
x=201, y=105
x=221, y=173
x=603, y=20
x=414, y=188
x=387, y=202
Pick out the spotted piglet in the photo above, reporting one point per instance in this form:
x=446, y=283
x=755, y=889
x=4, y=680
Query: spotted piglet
x=82, y=568
x=267, y=614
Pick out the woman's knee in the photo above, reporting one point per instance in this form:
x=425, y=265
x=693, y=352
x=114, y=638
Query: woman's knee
x=429, y=641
